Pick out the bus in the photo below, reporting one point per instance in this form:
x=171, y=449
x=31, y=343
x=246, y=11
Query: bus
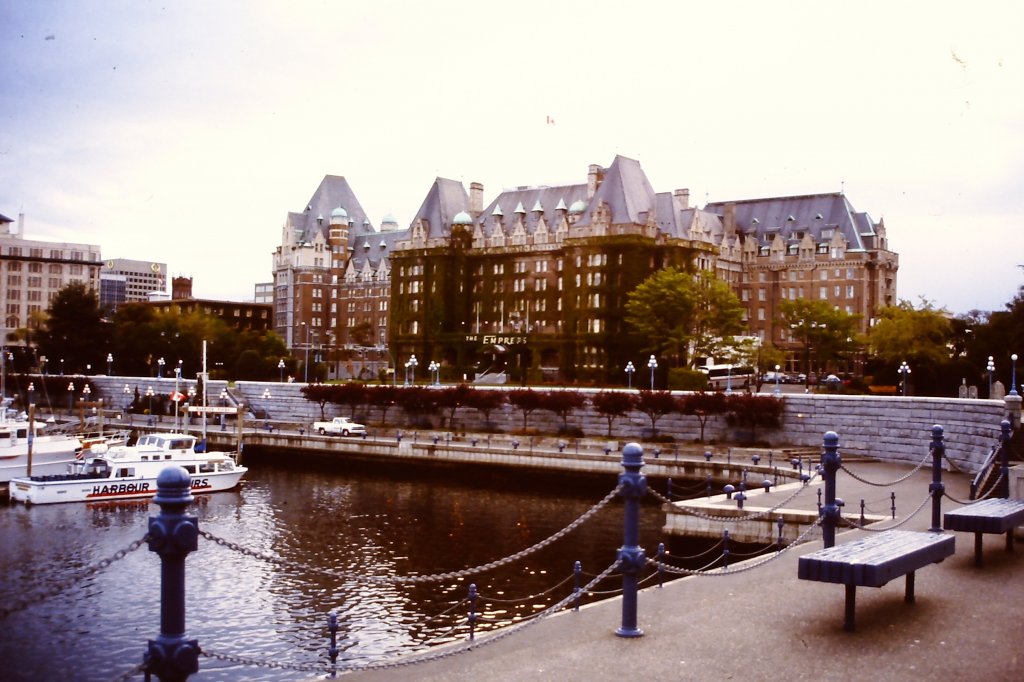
x=728, y=377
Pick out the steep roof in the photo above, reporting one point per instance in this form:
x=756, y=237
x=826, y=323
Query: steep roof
x=813, y=213
x=334, y=191
x=443, y=202
x=626, y=191
x=549, y=198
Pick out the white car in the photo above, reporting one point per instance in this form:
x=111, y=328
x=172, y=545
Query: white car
x=339, y=426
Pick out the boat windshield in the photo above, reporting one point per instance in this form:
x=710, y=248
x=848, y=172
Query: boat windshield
x=98, y=467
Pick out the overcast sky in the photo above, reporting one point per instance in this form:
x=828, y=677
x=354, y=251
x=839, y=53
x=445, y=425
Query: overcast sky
x=183, y=132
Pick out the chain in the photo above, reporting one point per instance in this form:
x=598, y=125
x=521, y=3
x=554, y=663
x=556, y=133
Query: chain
x=742, y=569
x=263, y=663
x=140, y=668
x=851, y=524
x=886, y=485
x=532, y=597
x=734, y=519
x=995, y=486
x=419, y=579
x=59, y=586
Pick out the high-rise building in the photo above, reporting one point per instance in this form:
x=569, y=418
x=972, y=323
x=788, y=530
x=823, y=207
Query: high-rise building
x=143, y=278
x=33, y=271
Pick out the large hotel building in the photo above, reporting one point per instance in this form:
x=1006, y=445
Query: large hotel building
x=532, y=284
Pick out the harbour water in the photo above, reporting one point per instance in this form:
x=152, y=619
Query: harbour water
x=312, y=521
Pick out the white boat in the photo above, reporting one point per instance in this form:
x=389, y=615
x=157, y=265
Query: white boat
x=129, y=472
x=51, y=452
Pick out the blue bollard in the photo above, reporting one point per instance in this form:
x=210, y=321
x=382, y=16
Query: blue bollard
x=332, y=652
x=831, y=461
x=631, y=556
x=661, y=559
x=657, y=453
x=893, y=497
x=755, y=459
x=937, y=488
x=725, y=549
x=473, y=442
x=862, y=512
x=515, y=445
x=472, y=611
x=561, y=446
x=172, y=535
x=577, y=571
x=729, y=490
x=707, y=455
x=767, y=485
x=669, y=495
x=302, y=431
x=781, y=523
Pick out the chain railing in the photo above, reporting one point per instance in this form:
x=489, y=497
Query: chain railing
x=739, y=517
x=889, y=483
x=847, y=523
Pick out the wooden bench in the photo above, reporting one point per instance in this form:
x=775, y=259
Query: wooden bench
x=874, y=560
x=998, y=515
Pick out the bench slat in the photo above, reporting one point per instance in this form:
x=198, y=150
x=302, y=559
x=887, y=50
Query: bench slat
x=874, y=560
x=997, y=515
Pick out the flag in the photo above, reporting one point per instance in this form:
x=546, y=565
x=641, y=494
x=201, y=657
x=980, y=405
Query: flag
x=177, y=396
x=550, y=121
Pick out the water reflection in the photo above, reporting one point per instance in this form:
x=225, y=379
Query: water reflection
x=311, y=522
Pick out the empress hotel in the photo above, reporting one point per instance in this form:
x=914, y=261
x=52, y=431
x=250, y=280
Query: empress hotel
x=533, y=283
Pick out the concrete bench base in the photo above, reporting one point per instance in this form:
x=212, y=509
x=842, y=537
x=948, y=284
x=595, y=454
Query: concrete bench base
x=873, y=561
x=996, y=516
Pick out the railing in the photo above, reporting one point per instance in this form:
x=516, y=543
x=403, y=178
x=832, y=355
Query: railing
x=173, y=535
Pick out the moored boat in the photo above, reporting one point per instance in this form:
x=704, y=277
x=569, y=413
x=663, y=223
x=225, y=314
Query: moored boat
x=129, y=472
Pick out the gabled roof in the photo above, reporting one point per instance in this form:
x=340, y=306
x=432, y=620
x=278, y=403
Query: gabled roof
x=552, y=199
x=626, y=191
x=446, y=199
x=334, y=191
x=786, y=216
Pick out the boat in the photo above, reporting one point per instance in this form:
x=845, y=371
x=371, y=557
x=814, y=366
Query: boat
x=129, y=472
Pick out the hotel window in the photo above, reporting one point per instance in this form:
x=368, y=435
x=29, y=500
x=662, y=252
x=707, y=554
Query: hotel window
x=822, y=292
x=849, y=291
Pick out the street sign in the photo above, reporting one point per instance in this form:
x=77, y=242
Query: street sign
x=212, y=410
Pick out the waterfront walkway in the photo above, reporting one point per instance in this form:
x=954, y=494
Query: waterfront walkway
x=766, y=624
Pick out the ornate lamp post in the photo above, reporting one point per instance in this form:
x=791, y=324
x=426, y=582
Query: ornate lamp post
x=1013, y=375
x=31, y=392
x=778, y=391
x=280, y=369
x=652, y=364
x=630, y=369
x=412, y=368
x=435, y=368
x=149, y=394
x=110, y=364
x=85, y=394
x=904, y=370
x=62, y=366
x=990, y=368
x=160, y=368
x=127, y=399
x=71, y=395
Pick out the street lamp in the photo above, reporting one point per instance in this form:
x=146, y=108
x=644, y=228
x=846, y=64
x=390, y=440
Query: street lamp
x=904, y=370
x=436, y=369
x=110, y=364
x=1013, y=375
x=71, y=395
x=149, y=394
x=31, y=392
x=42, y=364
x=990, y=368
x=280, y=368
x=127, y=401
x=653, y=365
x=305, y=364
x=62, y=366
x=629, y=374
x=159, y=368
x=412, y=368
x=778, y=391
x=85, y=394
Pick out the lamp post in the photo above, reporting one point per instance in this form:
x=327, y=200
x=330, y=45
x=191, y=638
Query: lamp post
x=280, y=368
x=305, y=363
x=435, y=368
x=31, y=392
x=630, y=369
x=110, y=364
x=778, y=391
x=412, y=368
x=904, y=370
x=71, y=395
x=85, y=394
x=159, y=368
x=62, y=366
x=177, y=401
x=127, y=400
x=191, y=398
x=42, y=364
x=149, y=394
x=653, y=365
x=1013, y=375
x=990, y=368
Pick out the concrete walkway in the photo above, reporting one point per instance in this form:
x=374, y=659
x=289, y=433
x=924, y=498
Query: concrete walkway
x=766, y=624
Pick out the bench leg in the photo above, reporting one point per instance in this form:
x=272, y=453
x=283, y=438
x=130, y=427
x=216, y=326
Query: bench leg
x=977, y=549
x=909, y=596
x=851, y=604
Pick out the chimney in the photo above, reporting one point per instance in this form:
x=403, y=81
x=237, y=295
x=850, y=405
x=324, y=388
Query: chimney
x=21, y=225
x=730, y=218
x=476, y=199
x=682, y=199
x=595, y=175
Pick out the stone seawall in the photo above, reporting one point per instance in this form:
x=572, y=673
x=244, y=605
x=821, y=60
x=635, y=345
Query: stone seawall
x=885, y=427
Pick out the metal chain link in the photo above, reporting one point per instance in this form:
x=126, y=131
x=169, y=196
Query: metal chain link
x=851, y=524
x=419, y=579
x=735, y=519
x=59, y=586
x=532, y=597
x=991, y=491
x=891, y=483
x=742, y=569
x=140, y=668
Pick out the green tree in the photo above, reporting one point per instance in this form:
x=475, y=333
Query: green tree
x=563, y=403
x=75, y=331
x=824, y=333
x=683, y=315
x=917, y=335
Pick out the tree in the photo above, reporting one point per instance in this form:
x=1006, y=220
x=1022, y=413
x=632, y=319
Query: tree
x=825, y=333
x=527, y=401
x=485, y=402
x=703, y=406
x=318, y=393
x=76, y=335
x=351, y=394
x=452, y=398
x=918, y=335
x=612, y=404
x=384, y=397
x=656, y=404
x=683, y=315
x=563, y=403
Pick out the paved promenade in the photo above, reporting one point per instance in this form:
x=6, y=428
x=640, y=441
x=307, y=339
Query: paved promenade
x=765, y=624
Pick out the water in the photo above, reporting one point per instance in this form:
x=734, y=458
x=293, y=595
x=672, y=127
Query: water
x=397, y=521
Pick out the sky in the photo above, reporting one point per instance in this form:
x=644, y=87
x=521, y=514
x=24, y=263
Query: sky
x=184, y=132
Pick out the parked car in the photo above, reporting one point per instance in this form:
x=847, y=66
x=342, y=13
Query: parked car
x=339, y=426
